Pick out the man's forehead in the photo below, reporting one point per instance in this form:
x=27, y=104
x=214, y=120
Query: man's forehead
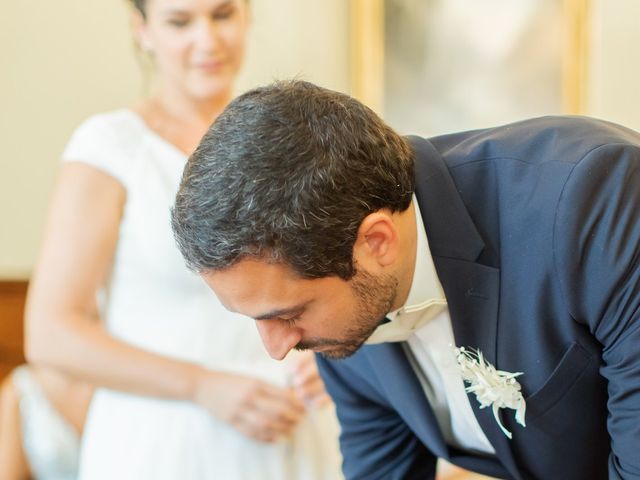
x=251, y=281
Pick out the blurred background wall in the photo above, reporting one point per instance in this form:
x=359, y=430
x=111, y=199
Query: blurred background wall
x=62, y=61
x=614, y=62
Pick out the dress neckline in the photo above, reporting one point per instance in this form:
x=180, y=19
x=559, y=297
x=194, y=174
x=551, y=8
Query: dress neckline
x=155, y=135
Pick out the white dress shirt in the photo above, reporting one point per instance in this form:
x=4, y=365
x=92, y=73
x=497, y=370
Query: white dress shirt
x=425, y=324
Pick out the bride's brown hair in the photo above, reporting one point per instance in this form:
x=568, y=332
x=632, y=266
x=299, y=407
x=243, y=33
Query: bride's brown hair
x=140, y=5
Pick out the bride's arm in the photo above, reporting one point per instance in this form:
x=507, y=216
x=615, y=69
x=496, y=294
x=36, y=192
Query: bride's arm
x=63, y=329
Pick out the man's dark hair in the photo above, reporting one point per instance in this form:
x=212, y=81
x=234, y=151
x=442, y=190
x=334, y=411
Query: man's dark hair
x=286, y=174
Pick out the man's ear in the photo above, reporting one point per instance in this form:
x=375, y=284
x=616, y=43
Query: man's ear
x=377, y=243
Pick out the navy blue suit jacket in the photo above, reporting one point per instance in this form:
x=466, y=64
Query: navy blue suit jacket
x=534, y=229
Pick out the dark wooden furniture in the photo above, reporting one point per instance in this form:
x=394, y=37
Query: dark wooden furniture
x=12, y=298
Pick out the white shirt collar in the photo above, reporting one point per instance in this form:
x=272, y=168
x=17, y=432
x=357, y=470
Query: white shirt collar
x=425, y=285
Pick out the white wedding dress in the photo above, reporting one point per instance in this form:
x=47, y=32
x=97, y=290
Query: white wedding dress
x=152, y=301
x=50, y=443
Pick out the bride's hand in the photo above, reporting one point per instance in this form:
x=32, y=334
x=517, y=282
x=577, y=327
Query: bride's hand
x=306, y=381
x=257, y=409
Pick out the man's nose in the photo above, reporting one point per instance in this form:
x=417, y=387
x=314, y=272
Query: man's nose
x=277, y=338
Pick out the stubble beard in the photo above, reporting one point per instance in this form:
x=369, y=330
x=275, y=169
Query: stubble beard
x=375, y=295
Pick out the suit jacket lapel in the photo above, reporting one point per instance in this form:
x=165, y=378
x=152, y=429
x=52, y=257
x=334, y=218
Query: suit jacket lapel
x=404, y=390
x=472, y=290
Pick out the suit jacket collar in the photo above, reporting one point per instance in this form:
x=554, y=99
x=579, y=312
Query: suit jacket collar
x=449, y=227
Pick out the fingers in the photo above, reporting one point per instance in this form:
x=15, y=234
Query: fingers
x=283, y=397
x=307, y=382
x=257, y=409
x=313, y=393
x=255, y=424
x=283, y=409
x=271, y=413
x=303, y=362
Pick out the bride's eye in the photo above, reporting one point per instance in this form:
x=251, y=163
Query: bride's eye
x=178, y=22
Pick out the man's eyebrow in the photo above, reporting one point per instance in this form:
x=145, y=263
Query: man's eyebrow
x=281, y=312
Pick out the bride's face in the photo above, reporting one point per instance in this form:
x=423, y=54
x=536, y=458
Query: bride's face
x=197, y=45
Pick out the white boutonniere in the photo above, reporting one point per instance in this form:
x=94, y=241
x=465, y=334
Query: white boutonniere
x=492, y=387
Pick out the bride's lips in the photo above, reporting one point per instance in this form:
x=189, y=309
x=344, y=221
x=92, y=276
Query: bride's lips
x=210, y=66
